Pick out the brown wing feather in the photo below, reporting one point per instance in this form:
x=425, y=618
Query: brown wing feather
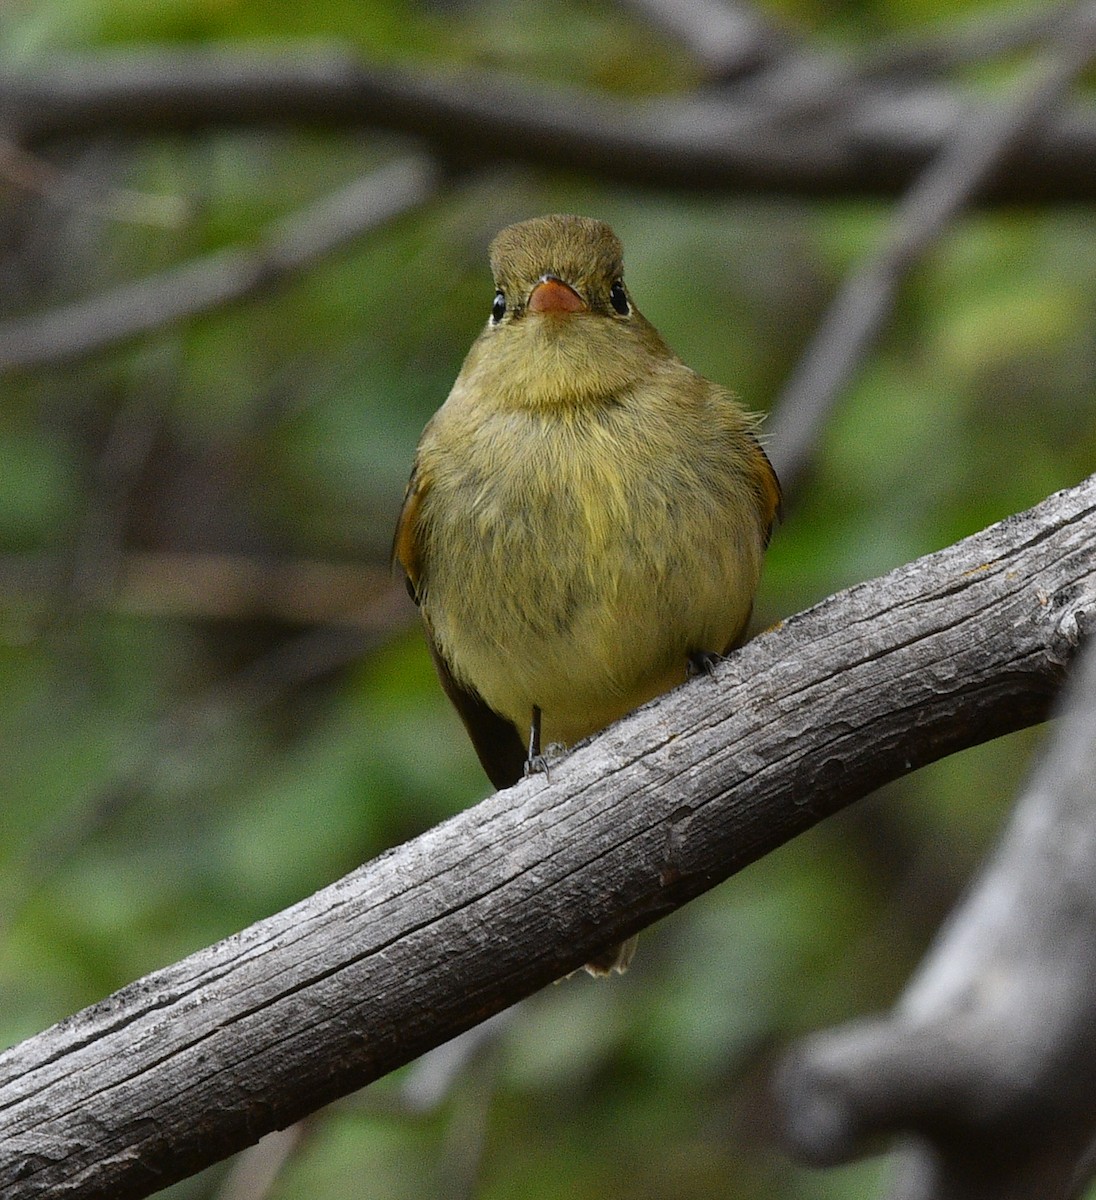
x=405, y=542
x=496, y=740
x=769, y=490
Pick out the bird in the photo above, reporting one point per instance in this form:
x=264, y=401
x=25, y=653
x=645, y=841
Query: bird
x=586, y=516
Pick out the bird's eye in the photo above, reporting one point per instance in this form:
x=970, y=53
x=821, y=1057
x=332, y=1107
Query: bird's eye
x=618, y=299
x=498, y=309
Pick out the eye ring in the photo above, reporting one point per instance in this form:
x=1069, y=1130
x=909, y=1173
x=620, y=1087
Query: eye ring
x=498, y=308
x=618, y=298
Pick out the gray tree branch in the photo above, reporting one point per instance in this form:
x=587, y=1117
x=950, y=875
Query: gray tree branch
x=798, y=127
x=200, y=1059
x=846, y=138
x=726, y=39
x=969, y=40
x=222, y=587
x=982, y=142
x=293, y=245
x=989, y=1058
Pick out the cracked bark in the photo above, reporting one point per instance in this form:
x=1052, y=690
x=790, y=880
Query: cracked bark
x=988, y=1062
x=200, y=1059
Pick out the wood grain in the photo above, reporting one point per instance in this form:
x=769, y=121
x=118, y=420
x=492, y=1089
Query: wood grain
x=200, y=1059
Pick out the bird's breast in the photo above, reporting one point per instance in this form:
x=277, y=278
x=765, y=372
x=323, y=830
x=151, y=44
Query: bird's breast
x=574, y=560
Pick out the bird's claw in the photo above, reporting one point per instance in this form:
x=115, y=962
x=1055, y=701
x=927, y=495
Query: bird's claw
x=537, y=764
x=702, y=662
x=540, y=763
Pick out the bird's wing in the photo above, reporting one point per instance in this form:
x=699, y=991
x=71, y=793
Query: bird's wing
x=769, y=493
x=770, y=500
x=496, y=740
x=405, y=542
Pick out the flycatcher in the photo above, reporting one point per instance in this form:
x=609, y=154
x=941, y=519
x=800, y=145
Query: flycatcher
x=586, y=516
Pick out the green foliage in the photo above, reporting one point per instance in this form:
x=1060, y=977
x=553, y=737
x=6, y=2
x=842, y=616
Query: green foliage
x=168, y=779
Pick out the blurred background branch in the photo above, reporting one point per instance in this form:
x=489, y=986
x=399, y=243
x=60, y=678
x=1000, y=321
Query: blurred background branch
x=815, y=130
x=220, y=587
x=296, y=244
x=726, y=39
x=241, y=258
x=981, y=148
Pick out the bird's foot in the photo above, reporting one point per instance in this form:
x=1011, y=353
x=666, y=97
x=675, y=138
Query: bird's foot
x=537, y=764
x=540, y=763
x=702, y=662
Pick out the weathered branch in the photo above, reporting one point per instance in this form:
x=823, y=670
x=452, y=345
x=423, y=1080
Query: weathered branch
x=200, y=1059
x=860, y=138
x=990, y=1056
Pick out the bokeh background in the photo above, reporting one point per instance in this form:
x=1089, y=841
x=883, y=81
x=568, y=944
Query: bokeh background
x=215, y=701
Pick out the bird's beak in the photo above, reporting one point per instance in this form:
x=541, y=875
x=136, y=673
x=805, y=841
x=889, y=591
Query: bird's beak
x=552, y=295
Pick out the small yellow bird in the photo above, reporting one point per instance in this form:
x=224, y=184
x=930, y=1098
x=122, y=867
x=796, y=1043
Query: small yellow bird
x=586, y=516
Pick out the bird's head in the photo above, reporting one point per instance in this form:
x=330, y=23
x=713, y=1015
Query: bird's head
x=563, y=328
x=558, y=266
